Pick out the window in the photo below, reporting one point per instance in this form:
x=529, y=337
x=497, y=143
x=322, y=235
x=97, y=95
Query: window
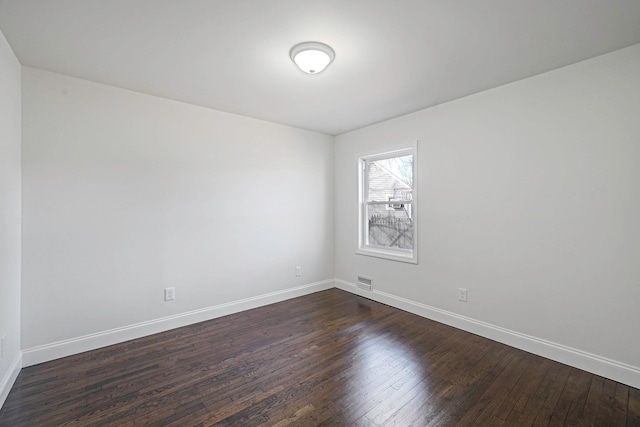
x=388, y=226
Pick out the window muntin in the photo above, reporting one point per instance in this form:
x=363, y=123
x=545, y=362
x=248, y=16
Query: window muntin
x=387, y=205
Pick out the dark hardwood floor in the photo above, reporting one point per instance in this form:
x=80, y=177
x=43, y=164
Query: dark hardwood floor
x=329, y=359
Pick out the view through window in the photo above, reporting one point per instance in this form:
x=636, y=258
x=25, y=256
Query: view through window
x=387, y=205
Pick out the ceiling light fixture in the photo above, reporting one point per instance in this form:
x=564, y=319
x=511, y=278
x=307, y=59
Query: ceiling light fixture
x=312, y=57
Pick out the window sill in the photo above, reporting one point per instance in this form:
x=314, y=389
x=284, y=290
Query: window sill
x=411, y=258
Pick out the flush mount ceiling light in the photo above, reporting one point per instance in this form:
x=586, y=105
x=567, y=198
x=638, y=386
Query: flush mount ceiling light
x=312, y=57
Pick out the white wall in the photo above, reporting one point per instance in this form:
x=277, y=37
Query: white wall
x=9, y=215
x=530, y=199
x=125, y=194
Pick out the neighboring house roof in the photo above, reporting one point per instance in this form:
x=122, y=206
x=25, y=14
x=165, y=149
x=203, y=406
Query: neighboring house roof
x=383, y=184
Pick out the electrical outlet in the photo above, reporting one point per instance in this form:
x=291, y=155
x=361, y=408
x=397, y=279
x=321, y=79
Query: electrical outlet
x=462, y=294
x=298, y=271
x=169, y=294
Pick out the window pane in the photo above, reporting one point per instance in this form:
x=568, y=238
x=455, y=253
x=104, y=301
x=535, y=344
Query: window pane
x=390, y=228
x=390, y=179
x=387, y=198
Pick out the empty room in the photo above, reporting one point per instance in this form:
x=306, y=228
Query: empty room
x=331, y=213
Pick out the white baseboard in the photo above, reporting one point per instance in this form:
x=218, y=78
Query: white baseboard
x=56, y=350
x=617, y=371
x=10, y=378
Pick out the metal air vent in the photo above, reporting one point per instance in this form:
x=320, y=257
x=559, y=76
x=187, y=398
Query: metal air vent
x=365, y=283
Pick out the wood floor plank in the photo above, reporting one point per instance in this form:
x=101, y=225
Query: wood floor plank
x=607, y=414
x=633, y=408
x=480, y=402
x=569, y=396
x=551, y=396
x=326, y=359
x=594, y=400
x=528, y=382
x=467, y=381
x=621, y=403
x=578, y=397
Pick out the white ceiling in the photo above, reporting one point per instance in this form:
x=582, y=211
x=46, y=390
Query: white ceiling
x=392, y=56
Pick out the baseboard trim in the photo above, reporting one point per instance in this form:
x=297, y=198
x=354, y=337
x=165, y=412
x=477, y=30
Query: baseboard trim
x=57, y=350
x=10, y=378
x=614, y=370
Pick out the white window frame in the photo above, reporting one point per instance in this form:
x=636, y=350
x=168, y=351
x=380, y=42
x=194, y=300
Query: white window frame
x=394, y=254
